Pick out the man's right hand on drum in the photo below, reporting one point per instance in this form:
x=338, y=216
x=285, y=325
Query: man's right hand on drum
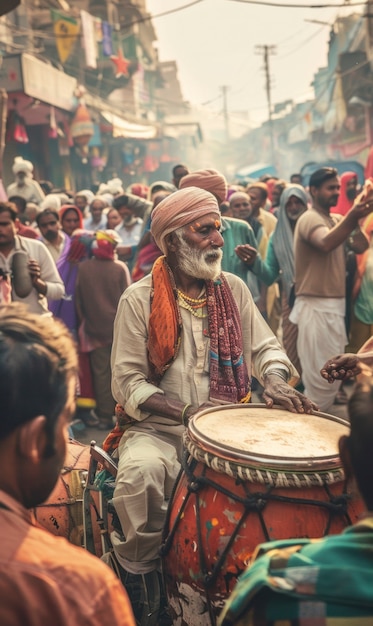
x=277, y=391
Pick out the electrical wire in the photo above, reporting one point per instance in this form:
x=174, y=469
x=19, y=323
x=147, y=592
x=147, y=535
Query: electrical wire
x=153, y=17
x=146, y=18
x=149, y=17
x=301, y=45
x=287, y=5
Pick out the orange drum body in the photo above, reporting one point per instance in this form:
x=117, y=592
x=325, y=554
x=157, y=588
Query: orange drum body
x=250, y=475
x=62, y=513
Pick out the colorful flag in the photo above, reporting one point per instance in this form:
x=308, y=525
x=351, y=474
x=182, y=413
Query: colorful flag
x=107, y=42
x=89, y=39
x=66, y=30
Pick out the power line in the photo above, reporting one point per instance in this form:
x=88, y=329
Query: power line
x=287, y=5
x=303, y=43
x=41, y=34
x=153, y=17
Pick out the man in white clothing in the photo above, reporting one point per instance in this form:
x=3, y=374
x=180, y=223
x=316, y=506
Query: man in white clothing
x=320, y=282
x=24, y=184
x=28, y=272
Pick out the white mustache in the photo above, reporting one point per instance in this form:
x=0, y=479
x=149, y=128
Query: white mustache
x=216, y=254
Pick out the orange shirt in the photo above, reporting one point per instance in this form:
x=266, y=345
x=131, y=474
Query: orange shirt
x=46, y=580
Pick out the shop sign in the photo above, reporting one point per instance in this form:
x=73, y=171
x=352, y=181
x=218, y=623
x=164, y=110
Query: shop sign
x=44, y=82
x=11, y=74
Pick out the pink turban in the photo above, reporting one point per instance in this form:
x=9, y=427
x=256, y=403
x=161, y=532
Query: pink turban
x=178, y=209
x=210, y=180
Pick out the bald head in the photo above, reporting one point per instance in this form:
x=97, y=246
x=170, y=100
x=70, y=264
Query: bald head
x=239, y=205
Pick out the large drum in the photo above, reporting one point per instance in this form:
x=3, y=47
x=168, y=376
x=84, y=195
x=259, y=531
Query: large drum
x=250, y=474
x=62, y=513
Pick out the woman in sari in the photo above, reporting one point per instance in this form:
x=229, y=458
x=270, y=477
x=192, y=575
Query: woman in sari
x=78, y=250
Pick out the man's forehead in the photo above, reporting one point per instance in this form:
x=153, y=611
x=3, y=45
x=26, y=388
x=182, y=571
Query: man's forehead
x=206, y=220
x=243, y=197
x=44, y=221
x=5, y=217
x=333, y=181
x=181, y=170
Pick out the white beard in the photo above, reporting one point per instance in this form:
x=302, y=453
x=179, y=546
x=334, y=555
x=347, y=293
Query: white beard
x=196, y=263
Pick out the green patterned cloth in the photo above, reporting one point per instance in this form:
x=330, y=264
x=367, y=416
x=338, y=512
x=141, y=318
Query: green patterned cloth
x=303, y=582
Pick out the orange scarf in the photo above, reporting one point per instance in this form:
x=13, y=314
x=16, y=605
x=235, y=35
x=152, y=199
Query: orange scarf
x=163, y=340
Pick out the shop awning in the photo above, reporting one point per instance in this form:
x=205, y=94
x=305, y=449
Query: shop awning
x=177, y=125
x=128, y=130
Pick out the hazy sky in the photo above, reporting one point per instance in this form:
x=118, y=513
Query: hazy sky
x=214, y=44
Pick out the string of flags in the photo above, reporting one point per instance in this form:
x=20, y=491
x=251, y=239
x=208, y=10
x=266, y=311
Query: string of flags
x=97, y=41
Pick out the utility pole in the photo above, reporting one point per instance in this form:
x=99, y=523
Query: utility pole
x=224, y=90
x=266, y=51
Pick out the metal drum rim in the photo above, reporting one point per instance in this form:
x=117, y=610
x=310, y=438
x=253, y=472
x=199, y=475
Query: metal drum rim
x=250, y=459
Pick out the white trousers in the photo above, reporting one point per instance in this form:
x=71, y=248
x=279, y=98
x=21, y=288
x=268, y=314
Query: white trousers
x=147, y=470
x=321, y=335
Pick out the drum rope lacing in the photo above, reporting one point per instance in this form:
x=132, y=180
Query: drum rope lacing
x=265, y=476
x=254, y=502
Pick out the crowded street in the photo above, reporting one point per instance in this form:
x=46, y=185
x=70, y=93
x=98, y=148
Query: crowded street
x=186, y=313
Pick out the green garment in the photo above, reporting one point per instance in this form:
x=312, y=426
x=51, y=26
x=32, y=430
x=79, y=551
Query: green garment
x=313, y=582
x=269, y=270
x=235, y=232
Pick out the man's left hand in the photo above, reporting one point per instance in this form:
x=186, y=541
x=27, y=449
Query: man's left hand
x=35, y=273
x=246, y=253
x=277, y=391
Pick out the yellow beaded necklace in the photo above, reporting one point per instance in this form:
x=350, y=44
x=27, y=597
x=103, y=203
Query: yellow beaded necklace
x=194, y=305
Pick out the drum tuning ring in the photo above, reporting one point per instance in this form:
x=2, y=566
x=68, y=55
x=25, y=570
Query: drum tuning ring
x=340, y=502
x=261, y=503
x=194, y=486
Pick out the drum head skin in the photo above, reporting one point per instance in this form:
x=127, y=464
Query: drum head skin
x=275, y=437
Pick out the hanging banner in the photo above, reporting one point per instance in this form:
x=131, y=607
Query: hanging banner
x=107, y=42
x=89, y=39
x=66, y=31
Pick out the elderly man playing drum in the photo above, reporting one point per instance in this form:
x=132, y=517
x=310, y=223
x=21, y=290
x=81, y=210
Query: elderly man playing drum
x=186, y=337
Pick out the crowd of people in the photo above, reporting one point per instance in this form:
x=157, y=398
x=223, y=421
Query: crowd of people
x=181, y=296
